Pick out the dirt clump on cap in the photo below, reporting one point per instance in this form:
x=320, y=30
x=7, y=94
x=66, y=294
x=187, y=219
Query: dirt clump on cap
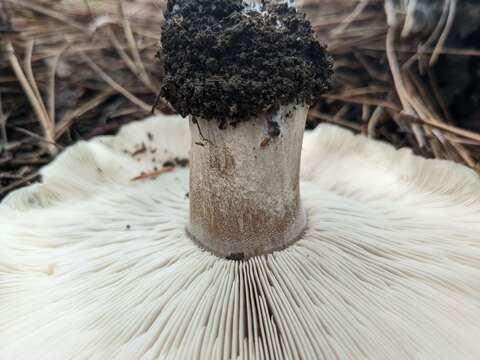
x=227, y=61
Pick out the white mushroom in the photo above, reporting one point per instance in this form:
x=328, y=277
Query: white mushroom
x=94, y=265
x=356, y=251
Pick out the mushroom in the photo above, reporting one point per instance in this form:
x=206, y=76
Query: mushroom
x=371, y=253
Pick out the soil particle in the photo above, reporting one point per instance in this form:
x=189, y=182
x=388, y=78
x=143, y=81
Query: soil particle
x=236, y=257
x=168, y=163
x=139, y=151
x=265, y=142
x=226, y=61
x=181, y=162
x=273, y=129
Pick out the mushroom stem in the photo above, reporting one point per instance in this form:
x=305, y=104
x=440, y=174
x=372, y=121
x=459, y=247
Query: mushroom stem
x=244, y=183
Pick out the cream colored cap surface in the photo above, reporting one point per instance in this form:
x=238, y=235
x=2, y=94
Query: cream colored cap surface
x=95, y=265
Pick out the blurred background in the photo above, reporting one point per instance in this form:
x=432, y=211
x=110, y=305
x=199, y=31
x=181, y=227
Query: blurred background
x=406, y=72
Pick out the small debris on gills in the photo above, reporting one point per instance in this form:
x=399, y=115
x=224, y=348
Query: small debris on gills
x=204, y=140
x=273, y=131
x=142, y=149
x=273, y=128
x=150, y=136
x=169, y=163
x=236, y=257
x=127, y=227
x=176, y=162
x=152, y=174
x=265, y=142
x=182, y=162
x=168, y=166
x=224, y=60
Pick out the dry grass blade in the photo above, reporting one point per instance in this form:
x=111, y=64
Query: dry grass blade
x=153, y=174
x=134, y=49
x=66, y=122
x=336, y=120
x=116, y=86
x=32, y=95
x=443, y=37
x=25, y=180
x=50, y=13
x=51, y=87
x=469, y=135
x=73, y=71
x=412, y=109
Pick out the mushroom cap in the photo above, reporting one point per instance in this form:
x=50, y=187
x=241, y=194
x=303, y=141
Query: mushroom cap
x=96, y=265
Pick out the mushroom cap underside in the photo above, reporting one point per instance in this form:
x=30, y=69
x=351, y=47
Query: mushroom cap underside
x=94, y=264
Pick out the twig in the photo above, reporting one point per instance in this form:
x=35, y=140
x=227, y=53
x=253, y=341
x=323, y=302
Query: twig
x=153, y=174
x=426, y=51
x=3, y=127
x=335, y=120
x=134, y=50
x=351, y=17
x=15, y=64
x=363, y=100
x=51, y=87
x=16, y=184
x=38, y=137
x=121, y=52
x=443, y=37
x=66, y=122
x=445, y=127
x=194, y=120
x=51, y=13
x=398, y=81
x=378, y=115
x=372, y=89
x=5, y=21
x=433, y=36
x=38, y=97
x=114, y=85
x=438, y=96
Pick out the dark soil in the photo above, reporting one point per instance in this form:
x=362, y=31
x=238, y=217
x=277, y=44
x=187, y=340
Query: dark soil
x=459, y=76
x=224, y=60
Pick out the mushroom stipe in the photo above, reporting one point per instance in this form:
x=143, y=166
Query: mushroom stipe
x=228, y=63
x=388, y=267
